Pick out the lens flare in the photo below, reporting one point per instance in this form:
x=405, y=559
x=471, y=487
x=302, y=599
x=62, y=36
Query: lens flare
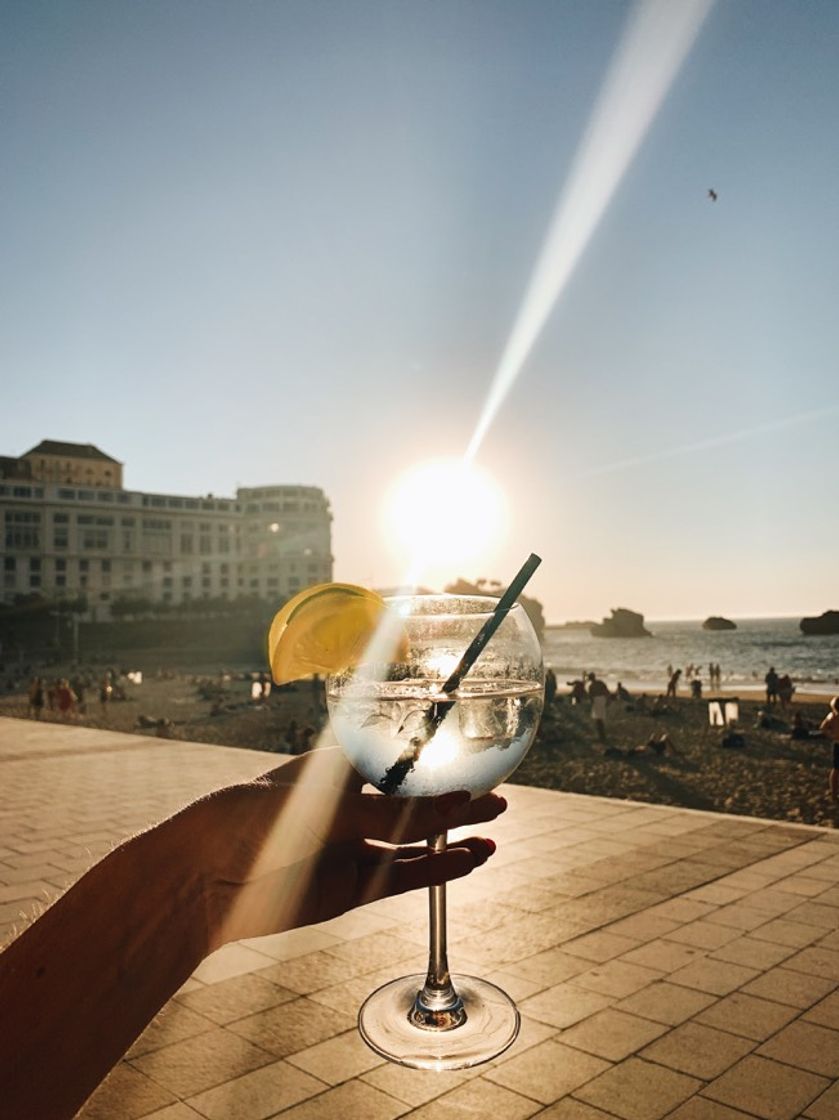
x=657, y=40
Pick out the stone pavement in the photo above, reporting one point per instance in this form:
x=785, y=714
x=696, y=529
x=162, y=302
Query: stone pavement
x=667, y=963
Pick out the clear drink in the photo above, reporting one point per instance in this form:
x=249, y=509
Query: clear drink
x=470, y=740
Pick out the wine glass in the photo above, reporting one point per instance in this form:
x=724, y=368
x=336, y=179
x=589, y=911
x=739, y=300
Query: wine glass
x=410, y=737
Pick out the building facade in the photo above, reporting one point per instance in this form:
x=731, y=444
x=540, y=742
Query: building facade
x=91, y=538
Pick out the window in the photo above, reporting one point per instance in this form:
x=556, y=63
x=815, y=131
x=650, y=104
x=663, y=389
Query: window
x=9, y=563
x=86, y=495
x=61, y=564
x=22, y=491
x=187, y=541
x=123, y=497
x=60, y=538
x=60, y=580
x=105, y=495
x=34, y=563
x=23, y=529
x=127, y=522
x=205, y=545
x=106, y=565
x=94, y=540
x=67, y=495
x=84, y=565
x=147, y=565
x=186, y=581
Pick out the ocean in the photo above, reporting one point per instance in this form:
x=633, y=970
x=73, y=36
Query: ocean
x=744, y=655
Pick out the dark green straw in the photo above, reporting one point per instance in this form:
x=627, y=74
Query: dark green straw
x=396, y=774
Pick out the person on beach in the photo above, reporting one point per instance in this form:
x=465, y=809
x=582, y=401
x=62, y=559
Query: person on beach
x=771, y=680
x=294, y=847
x=598, y=694
x=829, y=727
x=36, y=698
x=785, y=690
x=673, y=683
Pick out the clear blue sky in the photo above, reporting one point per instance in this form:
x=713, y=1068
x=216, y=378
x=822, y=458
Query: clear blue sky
x=246, y=243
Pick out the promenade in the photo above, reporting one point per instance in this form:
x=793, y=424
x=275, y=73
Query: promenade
x=667, y=963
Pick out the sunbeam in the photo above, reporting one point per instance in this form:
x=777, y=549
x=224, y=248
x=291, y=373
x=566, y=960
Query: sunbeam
x=658, y=37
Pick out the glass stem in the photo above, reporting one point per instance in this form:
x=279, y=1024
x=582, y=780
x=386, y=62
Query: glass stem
x=437, y=1006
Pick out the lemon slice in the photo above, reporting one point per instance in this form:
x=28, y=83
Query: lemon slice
x=324, y=629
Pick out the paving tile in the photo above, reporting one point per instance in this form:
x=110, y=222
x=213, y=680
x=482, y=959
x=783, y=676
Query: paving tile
x=231, y=960
x=337, y=1059
x=703, y=934
x=600, y=946
x=666, y=1003
x=816, y=914
x=294, y=942
x=825, y=1107
x=665, y=956
x=701, y=1051
x=415, y=1086
x=563, y=1005
x=643, y=927
x=717, y=977
x=201, y=1062
x=739, y=915
x=125, y=1094
x=825, y=1012
x=551, y=967
x=547, y=1072
x=257, y=1095
x=752, y=953
x=179, y=1111
x=798, y=989
x=700, y=1108
x=571, y=1109
x=172, y=1024
x=476, y=1099
x=612, y=1034
x=786, y=932
x=235, y=998
x=352, y=1099
x=313, y=971
x=683, y=909
x=638, y=1090
x=817, y=961
x=747, y=1015
x=616, y=978
x=767, y=1089
x=292, y=1026
x=807, y=1046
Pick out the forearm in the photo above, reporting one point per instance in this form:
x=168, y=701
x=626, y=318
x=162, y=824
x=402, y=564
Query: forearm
x=80, y=984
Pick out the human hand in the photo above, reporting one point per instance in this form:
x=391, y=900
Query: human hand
x=302, y=844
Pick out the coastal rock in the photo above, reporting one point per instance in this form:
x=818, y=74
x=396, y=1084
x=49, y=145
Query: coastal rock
x=717, y=622
x=827, y=623
x=623, y=624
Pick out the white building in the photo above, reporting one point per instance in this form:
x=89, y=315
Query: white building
x=94, y=538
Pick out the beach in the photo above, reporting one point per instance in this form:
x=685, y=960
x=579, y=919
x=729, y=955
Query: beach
x=770, y=776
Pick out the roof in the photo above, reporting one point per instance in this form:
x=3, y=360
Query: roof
x=14, y=468
x=70, y=450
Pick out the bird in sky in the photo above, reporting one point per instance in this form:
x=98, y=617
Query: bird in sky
x=712, y=194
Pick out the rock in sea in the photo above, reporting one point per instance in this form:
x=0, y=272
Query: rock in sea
x=622, y=624
x=717, y=622
x=827, y=623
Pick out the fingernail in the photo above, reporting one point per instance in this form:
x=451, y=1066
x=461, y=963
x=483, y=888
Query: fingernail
x=448, y=802
x=491, y=845
x=502, y=803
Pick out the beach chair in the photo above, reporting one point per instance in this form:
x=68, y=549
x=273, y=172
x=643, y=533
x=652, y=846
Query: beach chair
x=724, y=711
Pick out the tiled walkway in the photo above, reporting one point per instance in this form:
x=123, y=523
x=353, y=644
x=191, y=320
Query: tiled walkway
x=667, y=963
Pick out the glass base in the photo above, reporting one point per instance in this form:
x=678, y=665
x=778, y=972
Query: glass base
x=492, y=1024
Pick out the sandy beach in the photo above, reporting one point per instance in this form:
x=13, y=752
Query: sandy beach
x=770, y=776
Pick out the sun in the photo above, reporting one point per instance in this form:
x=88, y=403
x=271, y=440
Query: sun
x=442, y=516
